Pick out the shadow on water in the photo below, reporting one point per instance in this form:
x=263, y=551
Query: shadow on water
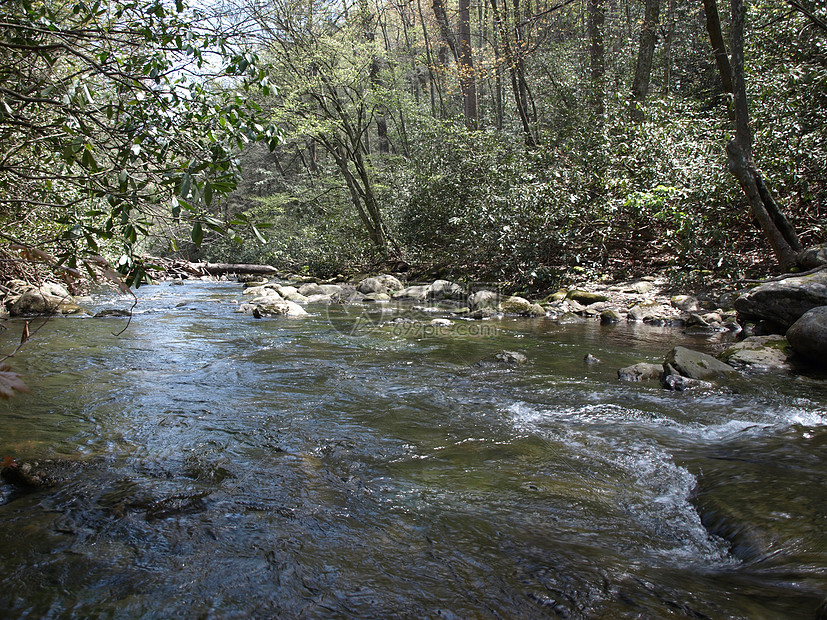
x=224, y=466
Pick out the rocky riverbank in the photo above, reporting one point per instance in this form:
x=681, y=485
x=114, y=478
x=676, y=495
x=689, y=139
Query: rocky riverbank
x=781, y=323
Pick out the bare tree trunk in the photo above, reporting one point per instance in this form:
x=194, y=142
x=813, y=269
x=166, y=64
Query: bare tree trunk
x=643, y=68
x=467, y=78
x=597, y=64
x=776, y=228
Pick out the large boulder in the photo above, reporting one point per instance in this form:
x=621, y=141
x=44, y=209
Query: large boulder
x=515, y=305
x=784, y=301
x=808, y=336
x=48, y=298
x=484, y=300
x=311, y=288
x=444, y=289
x=412, y=293
x=759, y=352
x=695, y=365
x=384, y=283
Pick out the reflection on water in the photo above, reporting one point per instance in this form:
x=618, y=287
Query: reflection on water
x=231, y=467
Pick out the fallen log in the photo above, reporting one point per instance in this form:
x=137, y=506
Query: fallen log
x=221, y=269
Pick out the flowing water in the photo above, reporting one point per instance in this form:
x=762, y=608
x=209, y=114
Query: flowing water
x=221, y=466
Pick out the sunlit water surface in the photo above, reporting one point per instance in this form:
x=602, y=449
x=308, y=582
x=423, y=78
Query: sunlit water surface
x=222, y=466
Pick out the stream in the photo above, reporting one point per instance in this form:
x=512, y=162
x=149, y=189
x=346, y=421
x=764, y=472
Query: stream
x=335, y=466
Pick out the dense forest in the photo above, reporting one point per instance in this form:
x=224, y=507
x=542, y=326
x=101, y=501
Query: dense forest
x=506, y=140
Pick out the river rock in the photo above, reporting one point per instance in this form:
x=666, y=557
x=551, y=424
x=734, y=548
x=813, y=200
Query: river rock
x=484, y=299
x=695, y=365
x=650, y=311
x=504, y=358
x=784, y=301
x=272, y=307
x=37, y=474
x=413, y=293
x=333, y=290
x=679, y=383
x=536, y=310
x=384, y=283
x=515, y=305
x=112, y=312
x=590, y=359
x=610, y=316
x=376, y=297
x=808, y=336
x=557, y=296
x=687, y=303
x=759, y=352
x=311, y=288
x=49, y=298
x=586, y=297
x=319, y=299
x=444, y=289
x=570, y=318
x=642, y=371
x=813, y=257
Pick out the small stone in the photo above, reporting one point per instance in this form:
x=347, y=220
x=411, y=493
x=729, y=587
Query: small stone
x=590, y=359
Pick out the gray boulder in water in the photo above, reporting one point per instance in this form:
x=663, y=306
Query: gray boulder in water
x=784, y=301
x=695, y=365
x=808, y=336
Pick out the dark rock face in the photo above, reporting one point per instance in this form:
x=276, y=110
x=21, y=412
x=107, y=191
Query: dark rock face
x=813, y=257
x=784, y=301
x=808, y=336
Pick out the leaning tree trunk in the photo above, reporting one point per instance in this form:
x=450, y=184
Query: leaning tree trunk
x=776, y=228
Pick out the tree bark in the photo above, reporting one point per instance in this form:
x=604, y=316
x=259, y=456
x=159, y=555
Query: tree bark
x=597, y=65
x=776, y=228
x=643, y=68
x=467, y=78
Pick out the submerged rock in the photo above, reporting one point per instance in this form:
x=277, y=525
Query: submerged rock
x=695, y=365
x=37, y=474
x=808, y=336
x=503, y=358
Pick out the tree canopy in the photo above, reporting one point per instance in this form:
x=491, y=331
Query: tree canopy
x=508, y=140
